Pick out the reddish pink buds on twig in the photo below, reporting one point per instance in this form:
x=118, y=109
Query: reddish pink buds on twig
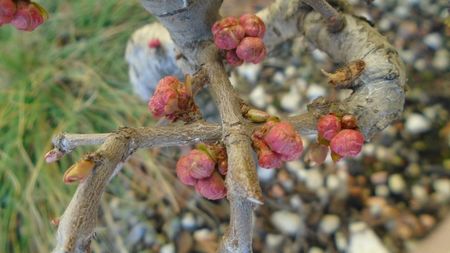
x=328, y=126
x=173, y=100
x=276, y=142
x=7, y=11
x=253, y=25
x=251, y=49
x=228, y=33
x=197, y=164
x=197, y=168
x=347, y=142
x=212, y=188
x=240, y=39
x=341, y=134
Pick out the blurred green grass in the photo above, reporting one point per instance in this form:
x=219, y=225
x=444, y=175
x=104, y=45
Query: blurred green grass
x=68, y=75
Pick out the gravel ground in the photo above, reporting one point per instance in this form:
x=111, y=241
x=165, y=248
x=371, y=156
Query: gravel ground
x=384, y=200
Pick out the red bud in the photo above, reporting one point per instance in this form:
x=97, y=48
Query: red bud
x=253, y=25
x=284, y=140
x=165, y=100
x=347, y=143
x=7, y=10
x=229, y=37
x=328, y=126
x=212, y=188
x=29, y=16
x=251, y=49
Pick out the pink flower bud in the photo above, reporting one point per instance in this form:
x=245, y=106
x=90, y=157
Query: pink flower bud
x=212, y=188
x=328, y=126
x=7, y=10
x=28, y=16
x=349, y=122
x=268, y=159
x=253, y=25
x=183, y=171
x=251, y=49
x=284, y=140
x=229, y=37
x=154, y=43
x=224, y=23
x=233, y=59
x=165, y=100
x=347, y=142
x=202, y=165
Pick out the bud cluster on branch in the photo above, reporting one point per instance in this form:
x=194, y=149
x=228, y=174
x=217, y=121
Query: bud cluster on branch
x=241, y=39
x=24, y=15
x=340, y=134
x=203, y=168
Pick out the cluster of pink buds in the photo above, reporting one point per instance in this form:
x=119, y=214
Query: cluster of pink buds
x=241, y=39
x=275, y=143
x=204, y=168
x=173, y=99
x=24, y=15
x=340, y=134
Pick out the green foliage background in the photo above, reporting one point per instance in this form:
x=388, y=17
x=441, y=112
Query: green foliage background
x=68, y=75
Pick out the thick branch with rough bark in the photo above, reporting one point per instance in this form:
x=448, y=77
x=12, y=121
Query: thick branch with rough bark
x=377, y=99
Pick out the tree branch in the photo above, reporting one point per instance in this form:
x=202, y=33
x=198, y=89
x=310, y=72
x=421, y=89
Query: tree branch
x=377, y=100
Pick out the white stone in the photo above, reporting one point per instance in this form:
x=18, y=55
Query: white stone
x=315, y=91
x=286, y=222
x=441, y=60
x=264, y=174
x=419, y=193
x=290, y=71
x=279, y=78
x=433, y=40
x=319, y=55
x=381, y=190
x=314, y=179
x=290, y=101
x=442, y=186
x=250, y=72
x=332, y=182
x=315, y=250
x=341, y=242
x=329, y=223
x=168, y=248
x=396, y=183
x=258, y=97
x=364, y=240
x=417, y=123
x=274, y=240
x=188, y=221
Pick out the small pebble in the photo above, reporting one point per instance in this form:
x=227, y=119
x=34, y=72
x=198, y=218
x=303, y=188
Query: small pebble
x=168, y=248
x=329, y=223
x=258, y=97
x=396, y=184
x=286, y=222
x=417, y=123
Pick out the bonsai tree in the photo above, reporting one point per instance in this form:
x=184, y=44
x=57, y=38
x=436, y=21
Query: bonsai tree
x=223, y=163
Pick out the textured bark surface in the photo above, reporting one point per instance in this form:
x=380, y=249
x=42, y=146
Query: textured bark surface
x=377, y=100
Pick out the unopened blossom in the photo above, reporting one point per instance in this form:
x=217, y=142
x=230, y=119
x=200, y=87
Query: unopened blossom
x=227, y=33
x=29, y=16
x=7, y=11
x=165, y=99
x=212, y=188
x=251, y=49
x=232, y=58
x=253, y=25
x=196, y=165
x=282, y=139
x=347, y=142
x=328, y=126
